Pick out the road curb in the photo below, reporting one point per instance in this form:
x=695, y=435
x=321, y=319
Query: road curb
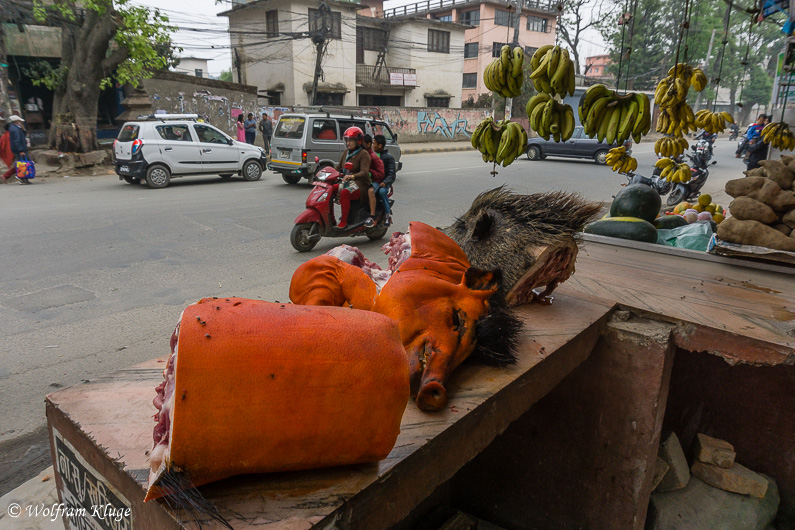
x=418, y=150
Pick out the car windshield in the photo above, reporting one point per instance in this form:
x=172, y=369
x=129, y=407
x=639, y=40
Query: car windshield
x=289, y=127
x=128, y=133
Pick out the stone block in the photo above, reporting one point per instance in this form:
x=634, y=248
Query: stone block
x=678, y=472
x=737, y=479
x=660, y=469
x=714, y=451
x=700, y=506
x=91, y=159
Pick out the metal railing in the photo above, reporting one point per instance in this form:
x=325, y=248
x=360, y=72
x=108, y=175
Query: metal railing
x=435, y=5
x=372, y=76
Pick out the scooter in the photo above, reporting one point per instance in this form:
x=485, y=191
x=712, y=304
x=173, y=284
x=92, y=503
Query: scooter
x=690, y=190
x=660, y=185
x=318, y=220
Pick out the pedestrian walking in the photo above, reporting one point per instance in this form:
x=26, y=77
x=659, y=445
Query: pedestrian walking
x=266, y=129
x=18, y=142
x=250, y=126
x=241, y=129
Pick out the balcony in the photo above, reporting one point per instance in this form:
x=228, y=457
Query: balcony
x=426, y=6
x=385, y=76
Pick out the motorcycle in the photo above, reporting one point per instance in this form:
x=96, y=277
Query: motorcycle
x=690, y=190
x=705, y=141
x=735, y=132
x=318, y=220
x=660, y=185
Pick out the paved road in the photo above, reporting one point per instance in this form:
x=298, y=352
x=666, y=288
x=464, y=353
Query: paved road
x=95, y=272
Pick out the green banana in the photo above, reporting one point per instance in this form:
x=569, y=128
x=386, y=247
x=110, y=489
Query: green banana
x=535, y=60
x=612, y=126
x=552, y=63
x=627, y=120
x=568, y=123
x=505, y=57
x=604, y=121
x=518, y=61
x=595, y=114
x=535, y=119
x=560, y=73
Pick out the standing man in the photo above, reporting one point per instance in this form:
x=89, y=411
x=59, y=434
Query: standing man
x=250, y=125
x=266, y=128
x=19, y=144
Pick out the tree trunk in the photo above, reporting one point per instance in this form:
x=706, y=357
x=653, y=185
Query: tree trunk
x=76, y=101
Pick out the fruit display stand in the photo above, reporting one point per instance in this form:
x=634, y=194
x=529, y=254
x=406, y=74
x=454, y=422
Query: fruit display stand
x=567, y=437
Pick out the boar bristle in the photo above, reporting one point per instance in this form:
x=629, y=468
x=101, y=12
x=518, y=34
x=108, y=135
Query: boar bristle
x=184, y=497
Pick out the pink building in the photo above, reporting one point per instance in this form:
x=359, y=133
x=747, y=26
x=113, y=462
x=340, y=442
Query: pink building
x=596, y=66
x=492, y=25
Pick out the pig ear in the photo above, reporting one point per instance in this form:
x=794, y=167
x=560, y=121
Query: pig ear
x=482, y=228
x=481, y=280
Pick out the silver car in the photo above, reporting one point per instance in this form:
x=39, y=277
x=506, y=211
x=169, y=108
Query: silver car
x=166, y=146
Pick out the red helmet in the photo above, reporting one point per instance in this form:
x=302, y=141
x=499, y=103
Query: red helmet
x=354, y=133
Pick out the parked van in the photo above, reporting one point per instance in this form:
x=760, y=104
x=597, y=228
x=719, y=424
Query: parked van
x=303, y=143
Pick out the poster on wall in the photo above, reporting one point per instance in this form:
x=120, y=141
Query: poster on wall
x=410, y=79
x=395, y=78
x=235, y=113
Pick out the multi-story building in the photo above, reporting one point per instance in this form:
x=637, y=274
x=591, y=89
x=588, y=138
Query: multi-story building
x=492, y=23
x=596, y=66
x=368, y=60
x=195, y=66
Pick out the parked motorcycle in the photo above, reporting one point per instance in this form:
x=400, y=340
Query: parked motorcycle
x=690, y=190
x=318, y=220
x=660, y=185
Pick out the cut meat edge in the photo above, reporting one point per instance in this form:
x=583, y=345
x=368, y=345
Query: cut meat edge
x=553, y=264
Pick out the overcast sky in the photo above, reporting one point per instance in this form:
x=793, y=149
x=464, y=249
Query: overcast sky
x=203, y=34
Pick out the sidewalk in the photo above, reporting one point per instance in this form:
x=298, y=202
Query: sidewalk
x=38, y=492
x=435, y=147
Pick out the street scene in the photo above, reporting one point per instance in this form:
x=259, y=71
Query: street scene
x=449, y=264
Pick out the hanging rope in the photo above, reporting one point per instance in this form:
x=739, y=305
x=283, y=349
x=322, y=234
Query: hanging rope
x=624, y=21
x=681, y=36
x=722, y=58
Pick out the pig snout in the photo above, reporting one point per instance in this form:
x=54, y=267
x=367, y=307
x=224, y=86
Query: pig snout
x=432, y=396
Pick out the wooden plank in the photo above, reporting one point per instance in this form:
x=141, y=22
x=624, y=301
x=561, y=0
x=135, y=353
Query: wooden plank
x=112, y=421
x=742, y=314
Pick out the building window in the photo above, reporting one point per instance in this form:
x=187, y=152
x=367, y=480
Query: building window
x=445, y=18
x=272, y=23
x=371, y=38
x=502, y=18
x=327, y=98
x=496, y=47
x=334, y=21
x=537, y=24
x=437, y=102
x=198, y=72
x=438, y=41
x=274, y=98
x=470, y=80
x=470, y=18
x=529, y=51
x=470, y=50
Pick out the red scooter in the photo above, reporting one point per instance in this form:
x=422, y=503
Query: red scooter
x=318, y=220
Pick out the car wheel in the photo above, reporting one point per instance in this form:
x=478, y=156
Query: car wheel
x=132, y=180
x=533, y=153
x=299, y=237
x=252, y=170
x=158, y=176
x=291, y=179
x=226, y=176
x=601, y=156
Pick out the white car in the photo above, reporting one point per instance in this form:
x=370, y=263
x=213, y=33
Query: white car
x=177, y=145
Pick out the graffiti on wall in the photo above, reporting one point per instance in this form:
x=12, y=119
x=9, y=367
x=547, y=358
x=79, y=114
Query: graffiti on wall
x=435, y=123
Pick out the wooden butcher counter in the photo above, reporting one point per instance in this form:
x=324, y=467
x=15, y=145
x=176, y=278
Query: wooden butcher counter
x=567, y=437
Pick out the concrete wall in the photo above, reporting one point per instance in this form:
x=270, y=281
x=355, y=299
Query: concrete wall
x=432, y=124
x=217, y=102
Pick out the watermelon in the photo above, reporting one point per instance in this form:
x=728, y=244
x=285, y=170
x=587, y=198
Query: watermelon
x=636, y=200
x=667, y=222
x=624, y=228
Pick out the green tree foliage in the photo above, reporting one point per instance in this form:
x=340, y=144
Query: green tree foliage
x=226, y=75
x=655, y=44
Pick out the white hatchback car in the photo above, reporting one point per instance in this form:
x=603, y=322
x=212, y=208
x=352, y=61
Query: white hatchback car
x=177, y=145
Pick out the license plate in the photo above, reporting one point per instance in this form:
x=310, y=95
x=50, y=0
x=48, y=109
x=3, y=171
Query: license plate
x=284, y=154
x=124, y=169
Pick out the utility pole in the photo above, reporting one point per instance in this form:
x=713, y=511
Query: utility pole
x=319, y=37
x=706, y=67
x=516, y=23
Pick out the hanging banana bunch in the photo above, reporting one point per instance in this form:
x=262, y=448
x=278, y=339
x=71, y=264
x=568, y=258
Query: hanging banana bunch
x=673, y=172
x=713, y=122
x=676, y=120
x=672, y=89
x=611, y=117
x=548, y=117
x=670, y=147
x=505, y=75
x=692, y=76
x=552, y=71
x=501, y=142
x=779, y=135
x=618, y=159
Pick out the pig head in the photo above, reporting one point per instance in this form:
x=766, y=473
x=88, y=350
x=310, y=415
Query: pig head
x=435, y=296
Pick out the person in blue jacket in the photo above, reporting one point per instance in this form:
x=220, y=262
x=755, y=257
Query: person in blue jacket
x=19, y=144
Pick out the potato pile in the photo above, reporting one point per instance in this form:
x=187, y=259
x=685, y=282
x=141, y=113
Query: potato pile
x=763, y=209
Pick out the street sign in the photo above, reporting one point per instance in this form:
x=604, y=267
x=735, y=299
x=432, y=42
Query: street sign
x=395, y=78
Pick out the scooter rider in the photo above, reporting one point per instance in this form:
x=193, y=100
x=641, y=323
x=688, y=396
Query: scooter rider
x=360, y=174
x=382, y=188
